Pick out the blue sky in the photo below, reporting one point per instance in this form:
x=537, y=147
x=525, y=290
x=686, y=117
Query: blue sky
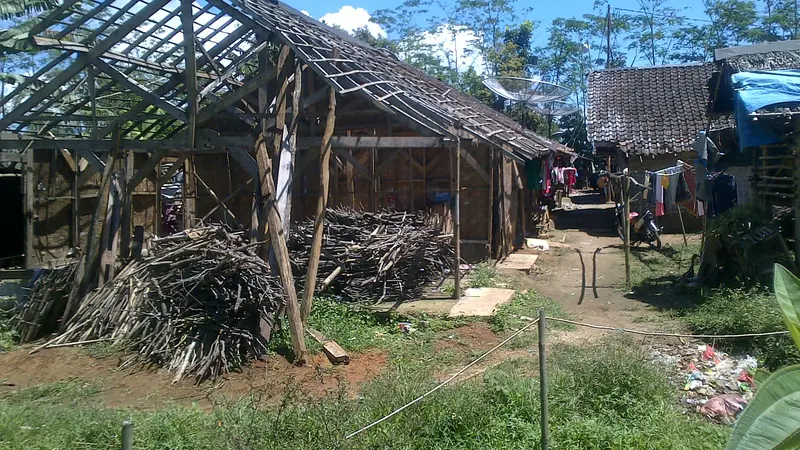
x=543, y=11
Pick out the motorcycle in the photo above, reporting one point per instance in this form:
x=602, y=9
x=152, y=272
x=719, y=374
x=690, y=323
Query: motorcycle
x=643, y=229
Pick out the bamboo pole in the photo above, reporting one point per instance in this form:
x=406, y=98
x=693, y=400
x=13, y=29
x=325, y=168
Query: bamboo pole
x=543, y=382
x=457, y=220
x=627, y=228
x=322, y=204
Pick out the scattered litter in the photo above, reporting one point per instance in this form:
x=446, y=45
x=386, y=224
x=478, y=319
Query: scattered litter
x=724, y=408
x=714, y=383
x=538, y=244
x=406, y=327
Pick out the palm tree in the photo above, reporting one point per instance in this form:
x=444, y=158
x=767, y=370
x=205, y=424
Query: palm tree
x=14, y=9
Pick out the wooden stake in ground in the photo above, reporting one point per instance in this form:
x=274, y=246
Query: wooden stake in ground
x=278, y=241
x=457, y=221
x=626, y=226
x=322, y=204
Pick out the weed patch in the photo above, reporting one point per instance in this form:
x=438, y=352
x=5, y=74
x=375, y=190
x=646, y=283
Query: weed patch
x=745, y=311
x=8, y=335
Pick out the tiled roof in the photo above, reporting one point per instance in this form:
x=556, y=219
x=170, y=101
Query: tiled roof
x=649, y=110
x=391, y=84
x=765, y=56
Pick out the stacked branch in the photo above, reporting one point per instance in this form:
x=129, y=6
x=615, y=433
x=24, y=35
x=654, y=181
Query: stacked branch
x=193, y=307
x=41, y=313
x=384, y=255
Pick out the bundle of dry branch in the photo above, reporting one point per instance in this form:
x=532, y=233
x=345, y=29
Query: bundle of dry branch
x=193, y=306
x=384, y=255
x=47, y=299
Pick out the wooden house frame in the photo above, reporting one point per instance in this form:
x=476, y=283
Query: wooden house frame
x=251, y=103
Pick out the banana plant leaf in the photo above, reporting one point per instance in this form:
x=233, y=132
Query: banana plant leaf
x=772, y=419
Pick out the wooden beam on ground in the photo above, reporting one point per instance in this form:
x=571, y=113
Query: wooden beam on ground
x=322, y=205
x=334, y=352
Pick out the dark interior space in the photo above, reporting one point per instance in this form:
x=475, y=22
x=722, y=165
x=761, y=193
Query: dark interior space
x=12, y=224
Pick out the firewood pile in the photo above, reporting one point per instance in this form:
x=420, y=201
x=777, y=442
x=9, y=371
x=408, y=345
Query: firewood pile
x=193, y=306
x=384, y=256
x=47, y=299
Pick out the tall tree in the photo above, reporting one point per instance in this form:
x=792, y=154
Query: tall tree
x=653, y=31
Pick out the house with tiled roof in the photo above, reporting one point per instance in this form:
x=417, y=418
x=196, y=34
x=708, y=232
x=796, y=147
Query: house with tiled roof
x=648, y=117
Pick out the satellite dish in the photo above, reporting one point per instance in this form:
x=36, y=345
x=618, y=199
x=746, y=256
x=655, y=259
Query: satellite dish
x=554, y=108
x=525, y=90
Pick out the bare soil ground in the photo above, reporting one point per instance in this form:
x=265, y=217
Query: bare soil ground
x=583, y=225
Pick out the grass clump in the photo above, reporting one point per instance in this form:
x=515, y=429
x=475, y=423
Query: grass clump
x=524, y=307
x=484, y=276
x=745, y=311
x=8, y=335
x=601, y=396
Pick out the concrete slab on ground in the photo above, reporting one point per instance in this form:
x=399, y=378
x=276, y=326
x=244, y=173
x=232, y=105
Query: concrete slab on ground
x=481, y=301
x=518, y=261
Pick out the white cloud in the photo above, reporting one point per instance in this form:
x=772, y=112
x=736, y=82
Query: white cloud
x=351, y=19
x=456, y=47
x=305, y=12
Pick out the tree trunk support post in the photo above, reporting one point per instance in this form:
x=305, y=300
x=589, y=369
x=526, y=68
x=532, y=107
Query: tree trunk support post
x=190, y=185
x=457, y=221
x=626, y=226
x=322, y=204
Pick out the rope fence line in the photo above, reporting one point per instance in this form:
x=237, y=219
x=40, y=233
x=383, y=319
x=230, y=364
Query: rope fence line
x=555, y=319
x=664, y=334
x=445, y=382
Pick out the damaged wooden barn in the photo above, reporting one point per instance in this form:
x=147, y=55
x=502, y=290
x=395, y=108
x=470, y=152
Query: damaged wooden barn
x=143, y=118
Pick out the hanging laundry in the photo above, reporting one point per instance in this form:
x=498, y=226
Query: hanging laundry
x=659, y=190
x=690, y=204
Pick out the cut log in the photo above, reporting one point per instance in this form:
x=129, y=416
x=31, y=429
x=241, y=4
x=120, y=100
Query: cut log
x=334, y=351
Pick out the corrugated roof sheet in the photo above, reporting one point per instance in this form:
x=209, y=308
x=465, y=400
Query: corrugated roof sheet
x=650, y=110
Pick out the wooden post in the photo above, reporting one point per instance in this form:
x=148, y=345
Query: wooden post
x=190, y=83
x=87, y=265
x=322, y=204
x=457, y=220
x=626, y=227
x=278, y=240
x=126, y=221
x=30, y=198
x=76, y=200
x=110, y=238
x=545, y=444
x=490, y=215
x=284, y=147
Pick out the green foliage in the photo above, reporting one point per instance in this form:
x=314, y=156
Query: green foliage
x=14, y=9
x=772, y=418
x=787, y=291
x=745, y=311
x=484, y=275
x=523, y=307
x=8, y=335
x=350, y=326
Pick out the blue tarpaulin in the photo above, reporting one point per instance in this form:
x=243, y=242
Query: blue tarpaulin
x=759, y=89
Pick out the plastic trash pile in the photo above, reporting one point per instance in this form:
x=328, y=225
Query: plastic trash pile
x=714, y=383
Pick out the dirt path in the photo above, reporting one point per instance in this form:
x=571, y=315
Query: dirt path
x=585, y=225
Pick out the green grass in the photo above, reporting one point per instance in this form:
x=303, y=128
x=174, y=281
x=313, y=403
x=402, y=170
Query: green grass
x=744, y=311
x=8, y=335
x=484, y=276
x=601, y=396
